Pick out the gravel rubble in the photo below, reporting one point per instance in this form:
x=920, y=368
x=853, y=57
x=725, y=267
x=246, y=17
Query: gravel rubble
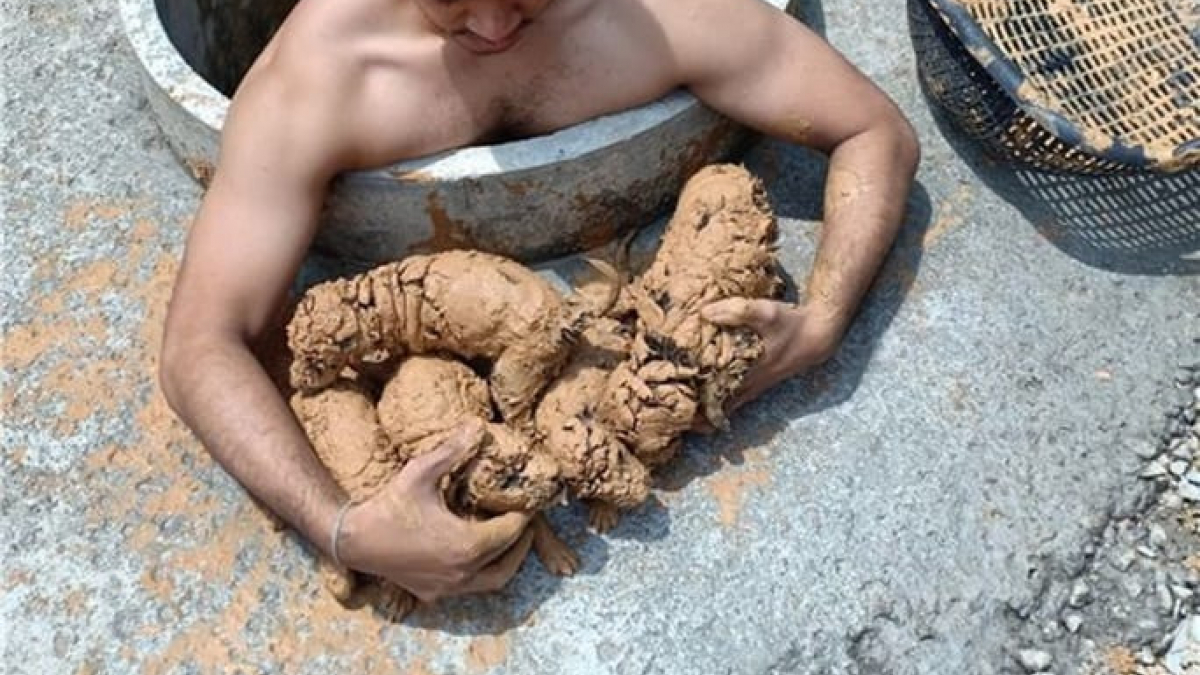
x=1132, y=607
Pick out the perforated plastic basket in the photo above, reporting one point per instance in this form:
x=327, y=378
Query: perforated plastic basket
x=1089, y=86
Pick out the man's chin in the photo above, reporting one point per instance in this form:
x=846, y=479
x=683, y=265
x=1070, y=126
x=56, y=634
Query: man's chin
x=482, y=47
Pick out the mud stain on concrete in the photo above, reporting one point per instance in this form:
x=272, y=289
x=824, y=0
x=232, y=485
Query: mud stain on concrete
x=487, y=652
x=731, y=488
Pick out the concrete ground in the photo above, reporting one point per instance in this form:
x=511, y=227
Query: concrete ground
x=896, y=512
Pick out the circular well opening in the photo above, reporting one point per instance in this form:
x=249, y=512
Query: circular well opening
x=220, y=39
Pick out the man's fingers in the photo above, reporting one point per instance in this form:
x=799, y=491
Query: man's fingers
x=494, y=577
x=755, y=384
x=497, y=534
x=740, y=312
x=493, y=571
x=429, y=468
x=730, y=312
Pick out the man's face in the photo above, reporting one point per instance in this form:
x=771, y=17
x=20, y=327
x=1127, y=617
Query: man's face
x=482, y=26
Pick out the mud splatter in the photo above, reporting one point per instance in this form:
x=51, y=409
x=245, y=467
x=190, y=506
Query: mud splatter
x=949, y=216
x=1121, y=660
x=730, y=489
x=201, y=169
x=18, y=577
x=83, y=212
x=519, y=188
x=447, y=233
x=487, y=652
x=419, y=667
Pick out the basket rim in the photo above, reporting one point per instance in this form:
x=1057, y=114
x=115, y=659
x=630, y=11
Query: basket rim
x=1005, y=72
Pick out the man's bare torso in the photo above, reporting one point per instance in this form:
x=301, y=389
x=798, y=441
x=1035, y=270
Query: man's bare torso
x=409, y=91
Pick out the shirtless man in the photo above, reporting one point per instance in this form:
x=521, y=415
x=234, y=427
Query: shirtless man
x=349, y=84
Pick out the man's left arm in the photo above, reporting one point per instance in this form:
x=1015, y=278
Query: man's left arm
x=771, y=73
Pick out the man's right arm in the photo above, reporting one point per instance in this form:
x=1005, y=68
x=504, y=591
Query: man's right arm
x=245, y=245
x=281, y=146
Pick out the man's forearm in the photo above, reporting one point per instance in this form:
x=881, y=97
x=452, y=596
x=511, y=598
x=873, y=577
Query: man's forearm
x=869, y=178
x=221, y=391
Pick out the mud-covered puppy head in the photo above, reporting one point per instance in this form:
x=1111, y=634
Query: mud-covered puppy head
x=596, y=465
x=323, y=337
x=510, y=474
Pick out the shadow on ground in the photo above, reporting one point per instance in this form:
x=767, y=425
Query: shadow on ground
x=498, y=613
x=1137, y=223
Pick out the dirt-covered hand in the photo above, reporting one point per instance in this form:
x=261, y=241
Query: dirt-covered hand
x=406, y=534
x=794, y=339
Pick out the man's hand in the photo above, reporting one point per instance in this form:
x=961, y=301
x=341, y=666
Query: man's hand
x=406, y=534
x=776, y=76
x=794, y=339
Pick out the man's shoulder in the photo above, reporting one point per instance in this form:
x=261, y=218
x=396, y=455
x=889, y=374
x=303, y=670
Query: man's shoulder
x=339, y=80
x=313, y=20
x=316, y=53
x=295, y=91
x=324, y=38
